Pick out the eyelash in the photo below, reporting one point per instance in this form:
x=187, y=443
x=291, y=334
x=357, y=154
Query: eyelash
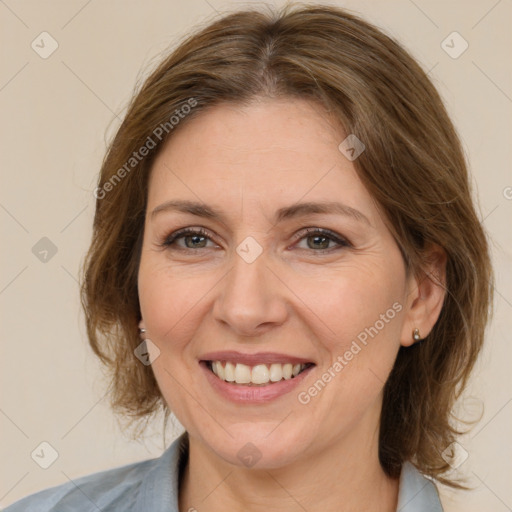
x=309, y=232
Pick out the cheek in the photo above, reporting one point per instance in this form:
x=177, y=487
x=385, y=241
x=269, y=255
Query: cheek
x=367, y=319
x=365, y=310
x=363, y=298
x=166, y=302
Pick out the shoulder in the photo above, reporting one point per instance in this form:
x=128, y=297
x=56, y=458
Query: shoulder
x=94, y=492
x=147, y=485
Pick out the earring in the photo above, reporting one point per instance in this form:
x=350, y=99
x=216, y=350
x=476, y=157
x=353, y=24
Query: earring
x=416, y=335
x=142, y=331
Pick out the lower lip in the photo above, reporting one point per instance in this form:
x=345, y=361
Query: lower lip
x=241, y=393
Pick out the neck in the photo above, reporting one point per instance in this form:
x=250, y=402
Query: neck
x=344, y=476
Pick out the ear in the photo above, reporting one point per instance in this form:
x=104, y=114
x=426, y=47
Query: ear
x=426, y=293
x=142, y=325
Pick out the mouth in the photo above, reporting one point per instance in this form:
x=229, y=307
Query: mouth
x=254, y=379
x=257, y=375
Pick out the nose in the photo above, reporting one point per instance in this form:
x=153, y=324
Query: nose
x=252, y=298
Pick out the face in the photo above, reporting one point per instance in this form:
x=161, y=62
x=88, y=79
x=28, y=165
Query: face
x=253, y=284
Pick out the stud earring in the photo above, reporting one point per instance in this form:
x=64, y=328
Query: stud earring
x=416, y=335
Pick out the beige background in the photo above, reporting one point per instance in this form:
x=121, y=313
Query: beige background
x=56, y=115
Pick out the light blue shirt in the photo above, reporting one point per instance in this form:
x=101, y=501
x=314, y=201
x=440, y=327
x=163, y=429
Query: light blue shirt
x=152, y=486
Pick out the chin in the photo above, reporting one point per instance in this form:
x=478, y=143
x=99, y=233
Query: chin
x=259, y=445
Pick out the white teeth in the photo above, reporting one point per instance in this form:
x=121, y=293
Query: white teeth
x=276, y=372
x=220, y=370
x=258, y=374
x=229, y=372
x=242, y=374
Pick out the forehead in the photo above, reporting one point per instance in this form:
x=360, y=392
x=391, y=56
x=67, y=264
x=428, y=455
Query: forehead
x=268, y=151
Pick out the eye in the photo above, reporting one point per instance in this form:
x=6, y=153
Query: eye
x=319, y=239
x=193, y=238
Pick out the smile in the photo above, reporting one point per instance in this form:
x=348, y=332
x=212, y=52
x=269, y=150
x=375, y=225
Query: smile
x=256, y=375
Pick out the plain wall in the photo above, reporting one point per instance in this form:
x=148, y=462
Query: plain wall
x=57, y=114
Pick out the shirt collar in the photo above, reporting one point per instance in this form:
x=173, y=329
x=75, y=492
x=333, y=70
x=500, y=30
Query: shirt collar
x=416, y=493
x=159, y=489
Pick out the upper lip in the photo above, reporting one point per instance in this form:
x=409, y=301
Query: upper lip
x=253, y=359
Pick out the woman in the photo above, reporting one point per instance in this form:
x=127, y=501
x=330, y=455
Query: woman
x=287, y=257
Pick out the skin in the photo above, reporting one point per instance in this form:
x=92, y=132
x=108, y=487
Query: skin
x=297, y=298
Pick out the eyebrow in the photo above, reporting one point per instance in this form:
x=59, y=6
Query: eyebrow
x=288, y=212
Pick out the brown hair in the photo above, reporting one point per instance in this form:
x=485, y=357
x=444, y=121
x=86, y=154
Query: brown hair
x=413, y=166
